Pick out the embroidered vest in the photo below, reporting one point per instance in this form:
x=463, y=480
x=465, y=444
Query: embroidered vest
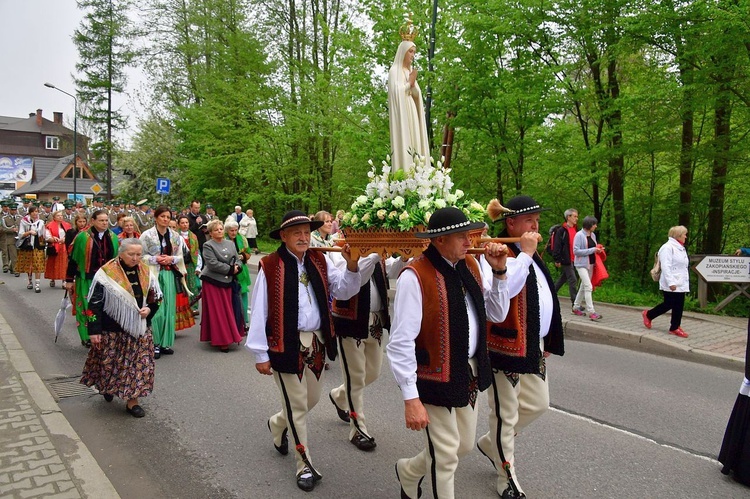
x=443, y=340
x=514, y=343
x=282, y=281
x=351, y=317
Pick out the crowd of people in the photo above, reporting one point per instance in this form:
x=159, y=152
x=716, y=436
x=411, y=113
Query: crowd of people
x=459, y=323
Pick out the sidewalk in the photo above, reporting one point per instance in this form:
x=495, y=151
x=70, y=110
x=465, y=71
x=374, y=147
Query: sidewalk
x=40, y=453
x=713, y=340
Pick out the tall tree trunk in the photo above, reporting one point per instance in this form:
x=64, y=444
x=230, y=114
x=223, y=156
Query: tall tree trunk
x=722, y=145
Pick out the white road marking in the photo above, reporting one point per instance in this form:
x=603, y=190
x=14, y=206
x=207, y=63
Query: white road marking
x=630, y=433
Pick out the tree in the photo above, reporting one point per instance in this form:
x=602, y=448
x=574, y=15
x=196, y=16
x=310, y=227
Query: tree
x=104, y=42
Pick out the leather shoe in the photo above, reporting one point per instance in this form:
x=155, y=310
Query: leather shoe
x=361, y=442
x=343, y=415
x=157, y=352
x=510, y=494
x=306, y=483
x=403, y=493
x=166, y=351
x=136, y=411
x=282, y=449
x=108, y=397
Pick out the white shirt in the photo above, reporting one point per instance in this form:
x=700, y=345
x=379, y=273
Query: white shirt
x=366, y=267
x=407, y=321
x=518, y=271
x=342, y=284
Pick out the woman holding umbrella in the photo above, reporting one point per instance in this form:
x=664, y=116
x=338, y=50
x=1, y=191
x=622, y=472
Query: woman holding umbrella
x=122, y=302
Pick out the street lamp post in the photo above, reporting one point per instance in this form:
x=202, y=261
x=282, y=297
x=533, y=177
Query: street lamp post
x=75, y=137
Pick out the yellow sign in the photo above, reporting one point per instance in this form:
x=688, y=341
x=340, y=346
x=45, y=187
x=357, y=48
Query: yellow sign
x=96, y=189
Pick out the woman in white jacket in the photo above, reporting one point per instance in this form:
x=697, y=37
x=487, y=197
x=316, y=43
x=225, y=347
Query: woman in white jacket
x=674, y=281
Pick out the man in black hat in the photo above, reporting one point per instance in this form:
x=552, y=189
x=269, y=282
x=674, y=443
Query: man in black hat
x=291, y=329
x=56, y=204
x=438, y=347
x=519, y=345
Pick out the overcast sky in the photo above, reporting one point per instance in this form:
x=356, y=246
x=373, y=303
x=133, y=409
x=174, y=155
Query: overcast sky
x=37, y=48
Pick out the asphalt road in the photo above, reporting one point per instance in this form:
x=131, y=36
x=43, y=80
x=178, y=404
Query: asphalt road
x=623, y=424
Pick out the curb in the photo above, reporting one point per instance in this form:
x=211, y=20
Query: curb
x=86, y=472
x=648, y=343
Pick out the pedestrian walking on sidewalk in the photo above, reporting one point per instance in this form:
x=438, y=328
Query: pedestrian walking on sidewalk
x=122, y=302
x=585, y=249
x=674, y=281
x=562, y=252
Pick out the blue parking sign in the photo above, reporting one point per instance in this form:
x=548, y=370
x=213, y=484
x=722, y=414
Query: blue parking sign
x=162, y=185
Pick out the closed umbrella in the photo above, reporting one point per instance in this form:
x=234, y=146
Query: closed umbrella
x=60, y=318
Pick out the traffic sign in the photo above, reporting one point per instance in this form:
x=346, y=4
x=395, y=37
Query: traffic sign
x=724, y=268
x=163, y=185
x=96, y=189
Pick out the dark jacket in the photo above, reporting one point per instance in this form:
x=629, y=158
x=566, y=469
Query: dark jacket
x=563, y=245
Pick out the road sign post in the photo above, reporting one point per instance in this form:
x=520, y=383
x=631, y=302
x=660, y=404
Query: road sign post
x=163, y=186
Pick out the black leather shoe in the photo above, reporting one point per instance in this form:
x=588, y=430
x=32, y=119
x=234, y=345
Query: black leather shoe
x=136, y=411
x=157, y=352
x=108, y=397
x=363, y=443
x=403, y=494
x=343, y=415
x=166, y=351
x=282, y=449
x=307, y=483
x=510, y=494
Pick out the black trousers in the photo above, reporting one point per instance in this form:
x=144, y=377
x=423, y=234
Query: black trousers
x=674, y=301
x=567, y=274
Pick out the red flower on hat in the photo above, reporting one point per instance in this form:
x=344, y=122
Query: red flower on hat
x=352, y=414
x=300, y=448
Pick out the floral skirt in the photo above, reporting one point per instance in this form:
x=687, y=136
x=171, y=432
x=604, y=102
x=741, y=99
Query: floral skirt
x=30, y=261
x=122, y=366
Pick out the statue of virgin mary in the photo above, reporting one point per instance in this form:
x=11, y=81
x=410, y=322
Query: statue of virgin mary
x=405, y=110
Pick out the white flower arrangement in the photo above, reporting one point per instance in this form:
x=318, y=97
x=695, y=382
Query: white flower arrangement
x=404, y=199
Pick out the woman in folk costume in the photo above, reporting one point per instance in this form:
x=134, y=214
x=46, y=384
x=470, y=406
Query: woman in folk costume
x=162, y=252
x=122, y=301
x=243, y=252
x=90, y=250
x=31, y=253
x=57, y=259
x=192, y=258
x=406, y=114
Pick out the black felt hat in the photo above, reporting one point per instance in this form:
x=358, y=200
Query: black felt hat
x=447, y=221
x=292, y=218
x=522, y=205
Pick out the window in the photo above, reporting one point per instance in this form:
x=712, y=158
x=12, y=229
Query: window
x=53, y=142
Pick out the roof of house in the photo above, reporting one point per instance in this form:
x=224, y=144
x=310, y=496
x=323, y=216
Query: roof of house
x=29, y=125
x=46, y=178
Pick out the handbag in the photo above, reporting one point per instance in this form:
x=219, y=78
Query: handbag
x=23, y=243
x=656, y=270
x=51, y=250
